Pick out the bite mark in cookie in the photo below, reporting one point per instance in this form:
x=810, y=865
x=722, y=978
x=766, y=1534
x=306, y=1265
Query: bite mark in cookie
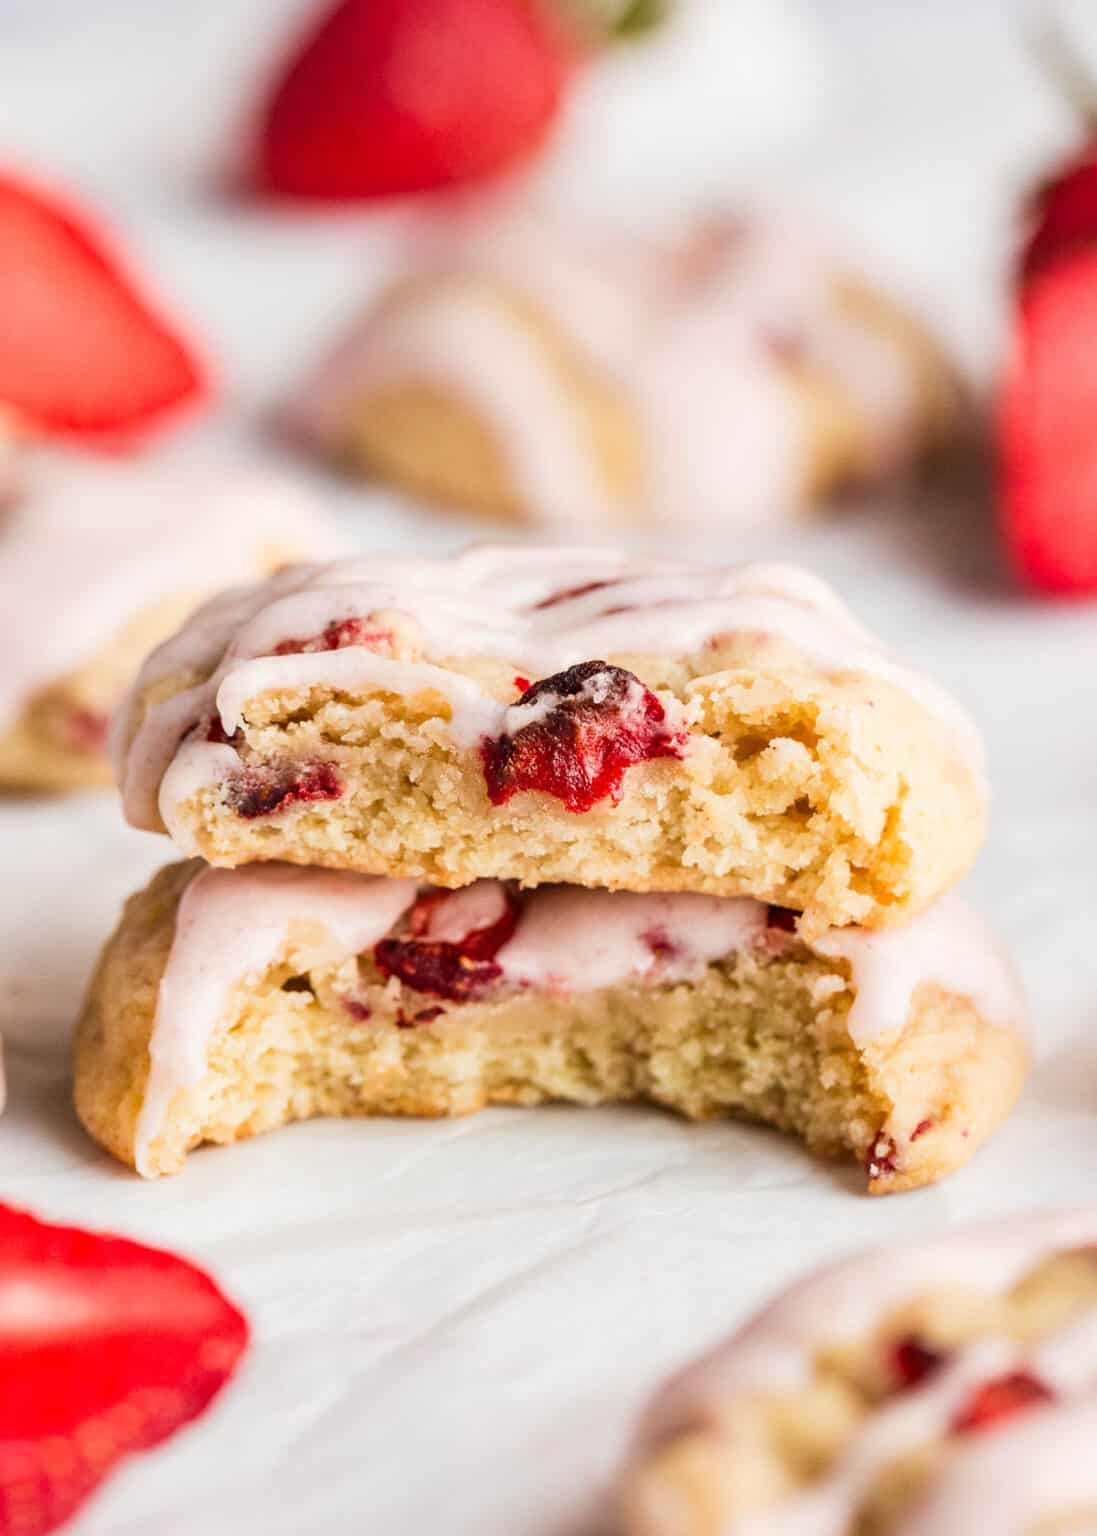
x=573, y=735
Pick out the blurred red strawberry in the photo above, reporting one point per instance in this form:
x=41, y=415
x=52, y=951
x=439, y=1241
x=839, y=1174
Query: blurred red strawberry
x=393, y=96
x=106, y=1347
x=82, y=353
x=1065, y=215
x=1047, y=429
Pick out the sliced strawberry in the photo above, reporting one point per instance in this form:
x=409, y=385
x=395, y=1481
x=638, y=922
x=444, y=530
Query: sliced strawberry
x=1046, y=436
x=106, y=1347
x=82, y=353
x=587, y=725
x=394, y=96
x=1001, y=1399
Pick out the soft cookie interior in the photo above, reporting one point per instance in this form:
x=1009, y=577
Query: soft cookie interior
x=412, y=1026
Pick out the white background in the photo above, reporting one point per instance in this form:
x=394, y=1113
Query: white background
x=454, y=1323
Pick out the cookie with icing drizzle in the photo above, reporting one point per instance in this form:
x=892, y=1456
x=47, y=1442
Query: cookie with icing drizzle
x=99, y=563
x=572, y=715
x=936, y=1388
x=733, y=373
x=232, y=1001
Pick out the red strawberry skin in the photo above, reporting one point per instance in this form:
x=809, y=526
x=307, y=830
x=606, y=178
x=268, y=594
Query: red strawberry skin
x=1047, y=430
x=1065, y=216
x=82, y=353
x=1001, y=1399
x=106, y=1347
x=396, y=96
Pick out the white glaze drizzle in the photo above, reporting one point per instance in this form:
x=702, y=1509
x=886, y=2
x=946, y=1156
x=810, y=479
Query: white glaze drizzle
x=234, y=924
x=231, y=927
x=87, y=545
x=1005, y=1472
x=948, y=943
x=490, y=602
x=686, y=329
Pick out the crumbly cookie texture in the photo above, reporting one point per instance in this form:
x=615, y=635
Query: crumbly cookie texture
x=934, y=1389
x=232, y=1002
x=99, y=564
x=547, y=377
x=580, y=716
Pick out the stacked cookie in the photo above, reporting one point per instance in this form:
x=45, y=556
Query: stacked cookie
x=529, y=824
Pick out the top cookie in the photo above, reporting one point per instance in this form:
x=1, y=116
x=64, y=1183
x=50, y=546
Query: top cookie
x=584, y=716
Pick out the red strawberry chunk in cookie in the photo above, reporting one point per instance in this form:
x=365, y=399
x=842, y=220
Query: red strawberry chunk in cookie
x=106, y=1347
x=576, y=734
x=455, y=937
x=1001, y=1399
x=337, y=635
x=912, y=1360
x=262, y=791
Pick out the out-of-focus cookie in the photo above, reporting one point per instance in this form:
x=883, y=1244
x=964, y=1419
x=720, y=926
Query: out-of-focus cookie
x=937, y=1388
x=98, y=563
x=735, y=375
x=233, y=1001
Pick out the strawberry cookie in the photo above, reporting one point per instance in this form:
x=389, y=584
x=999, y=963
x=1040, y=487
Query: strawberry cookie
x=568, y=379
x=581, y=716
x=98, y=562
x=230, y=1002
x=937, y=1388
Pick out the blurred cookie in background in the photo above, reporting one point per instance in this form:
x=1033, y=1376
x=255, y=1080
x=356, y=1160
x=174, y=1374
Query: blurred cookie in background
x=99, y=562
x=557, y=375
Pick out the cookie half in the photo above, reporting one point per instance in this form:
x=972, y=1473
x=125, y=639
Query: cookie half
x=943, y=1386
x=98, y=564
x=581, y=716
x=232, y=1002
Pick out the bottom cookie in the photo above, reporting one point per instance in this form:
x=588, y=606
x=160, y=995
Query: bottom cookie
x=231, y=1002
x=936, y=1388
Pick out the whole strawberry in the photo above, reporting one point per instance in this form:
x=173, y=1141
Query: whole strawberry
x=1047, y=413
x=397, y=96
x=106, y=1347
x=83, y=354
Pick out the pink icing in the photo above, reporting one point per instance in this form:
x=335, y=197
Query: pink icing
x=997, y=1481
x=234, y=924
x=691, y=331
x=87, y=545
x=505, y=603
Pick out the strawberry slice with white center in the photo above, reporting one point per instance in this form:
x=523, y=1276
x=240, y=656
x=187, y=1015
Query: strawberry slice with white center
x=82, y=353
x=106, y=1347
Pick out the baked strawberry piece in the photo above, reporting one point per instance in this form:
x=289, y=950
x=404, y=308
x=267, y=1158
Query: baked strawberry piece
x=573, y=735
x=387, y=97
x=106, y=1347
x=826, y=1413
x=83, y=353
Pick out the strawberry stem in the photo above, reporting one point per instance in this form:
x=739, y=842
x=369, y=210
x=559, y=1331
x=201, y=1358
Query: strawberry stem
x=1060, y=62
